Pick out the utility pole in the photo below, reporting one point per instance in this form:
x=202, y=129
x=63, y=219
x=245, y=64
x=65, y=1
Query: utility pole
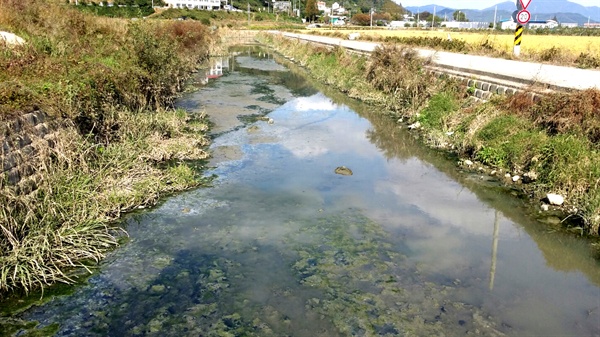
x=371, y=18
x=248, y=14
x=433, y=18
x=495, y=12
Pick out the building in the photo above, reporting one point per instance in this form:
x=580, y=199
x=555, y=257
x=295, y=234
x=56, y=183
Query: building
x=569, y=24
x=194, y=4
x=533, y=24
x=465, y=25
x=508, y=24
x=322, y=6
x=591, y=25
x=282, y=6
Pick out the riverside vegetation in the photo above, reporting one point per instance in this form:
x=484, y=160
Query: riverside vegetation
x=110, y=84
x=554, y=141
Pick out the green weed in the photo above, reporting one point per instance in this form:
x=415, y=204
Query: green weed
x=438, y=107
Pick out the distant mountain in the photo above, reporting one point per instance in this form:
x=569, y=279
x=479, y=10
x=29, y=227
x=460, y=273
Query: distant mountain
x=427, y=8
x=551, y=7
x=564, y=10
x=501, y=15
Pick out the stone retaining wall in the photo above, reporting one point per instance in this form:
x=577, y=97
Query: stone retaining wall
x=482, y=89
x=24, y=140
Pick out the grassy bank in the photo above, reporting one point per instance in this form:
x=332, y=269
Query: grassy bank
x=552, y=145
x=110, y=84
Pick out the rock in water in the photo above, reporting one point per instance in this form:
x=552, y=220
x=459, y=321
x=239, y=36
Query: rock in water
x=343, y=170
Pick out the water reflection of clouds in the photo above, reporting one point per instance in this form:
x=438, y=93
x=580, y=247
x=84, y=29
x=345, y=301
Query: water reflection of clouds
x=446, y=202
x=319, y=136
x=315, y=102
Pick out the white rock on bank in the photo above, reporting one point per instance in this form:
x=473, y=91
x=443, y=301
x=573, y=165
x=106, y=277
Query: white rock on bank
x=414, y=125
x=468, y=162
x=11, y=39
x=353, y=36
x=555, y=199
x=516, y=178
x=545, y=207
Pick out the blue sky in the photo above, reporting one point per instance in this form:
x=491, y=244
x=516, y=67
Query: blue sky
x=475, y=4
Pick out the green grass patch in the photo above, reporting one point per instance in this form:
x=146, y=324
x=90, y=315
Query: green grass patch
x=438, y=108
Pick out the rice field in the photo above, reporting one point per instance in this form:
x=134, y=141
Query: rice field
x=502, y=42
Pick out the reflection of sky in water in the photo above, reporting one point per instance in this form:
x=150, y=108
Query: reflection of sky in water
x=447, y=228
x=259, y=64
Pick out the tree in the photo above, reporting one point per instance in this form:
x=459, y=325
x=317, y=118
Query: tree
x=311, y=11
x=425, y=16
x=459, y=16
x=361, y=19
x=395, y=10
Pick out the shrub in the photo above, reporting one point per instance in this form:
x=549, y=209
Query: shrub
x=569, y=112
x=586, y=60
x=400, y=72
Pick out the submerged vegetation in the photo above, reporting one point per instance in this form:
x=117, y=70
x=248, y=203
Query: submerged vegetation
x=551, y=143
x=109, y=85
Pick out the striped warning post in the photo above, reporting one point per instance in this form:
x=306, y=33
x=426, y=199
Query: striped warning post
x=518, y=37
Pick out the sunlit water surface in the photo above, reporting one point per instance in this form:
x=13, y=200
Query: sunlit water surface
x=282, y=245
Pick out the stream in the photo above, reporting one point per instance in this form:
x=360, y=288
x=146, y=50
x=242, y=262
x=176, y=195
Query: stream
x=282, y=245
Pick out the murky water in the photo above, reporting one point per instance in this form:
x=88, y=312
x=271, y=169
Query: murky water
x=283, y=246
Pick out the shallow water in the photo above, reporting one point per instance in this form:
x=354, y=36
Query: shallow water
x=281, y=245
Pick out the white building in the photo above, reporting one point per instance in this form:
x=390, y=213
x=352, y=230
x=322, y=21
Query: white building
x=508, y=24
x=194, y=4
x=465, y=25
x=569, y=24
x=542, y=24
x=322, y=6
x=282, y=6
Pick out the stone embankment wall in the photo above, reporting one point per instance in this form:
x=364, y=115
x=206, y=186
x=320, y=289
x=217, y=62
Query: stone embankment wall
x=484, y=89
x=24, y=142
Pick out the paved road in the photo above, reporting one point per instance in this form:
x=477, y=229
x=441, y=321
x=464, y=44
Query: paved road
x=519, y=73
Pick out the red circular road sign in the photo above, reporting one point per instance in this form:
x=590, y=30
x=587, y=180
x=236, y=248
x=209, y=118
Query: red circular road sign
x=523, y=16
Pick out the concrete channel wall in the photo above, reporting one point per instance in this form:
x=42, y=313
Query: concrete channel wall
x=23, y=140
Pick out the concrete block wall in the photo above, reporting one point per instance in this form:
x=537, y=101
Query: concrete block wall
x=22, y=141
x=485, y=89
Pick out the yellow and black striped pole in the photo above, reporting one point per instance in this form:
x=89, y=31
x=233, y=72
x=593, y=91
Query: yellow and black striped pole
x=518, y=36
